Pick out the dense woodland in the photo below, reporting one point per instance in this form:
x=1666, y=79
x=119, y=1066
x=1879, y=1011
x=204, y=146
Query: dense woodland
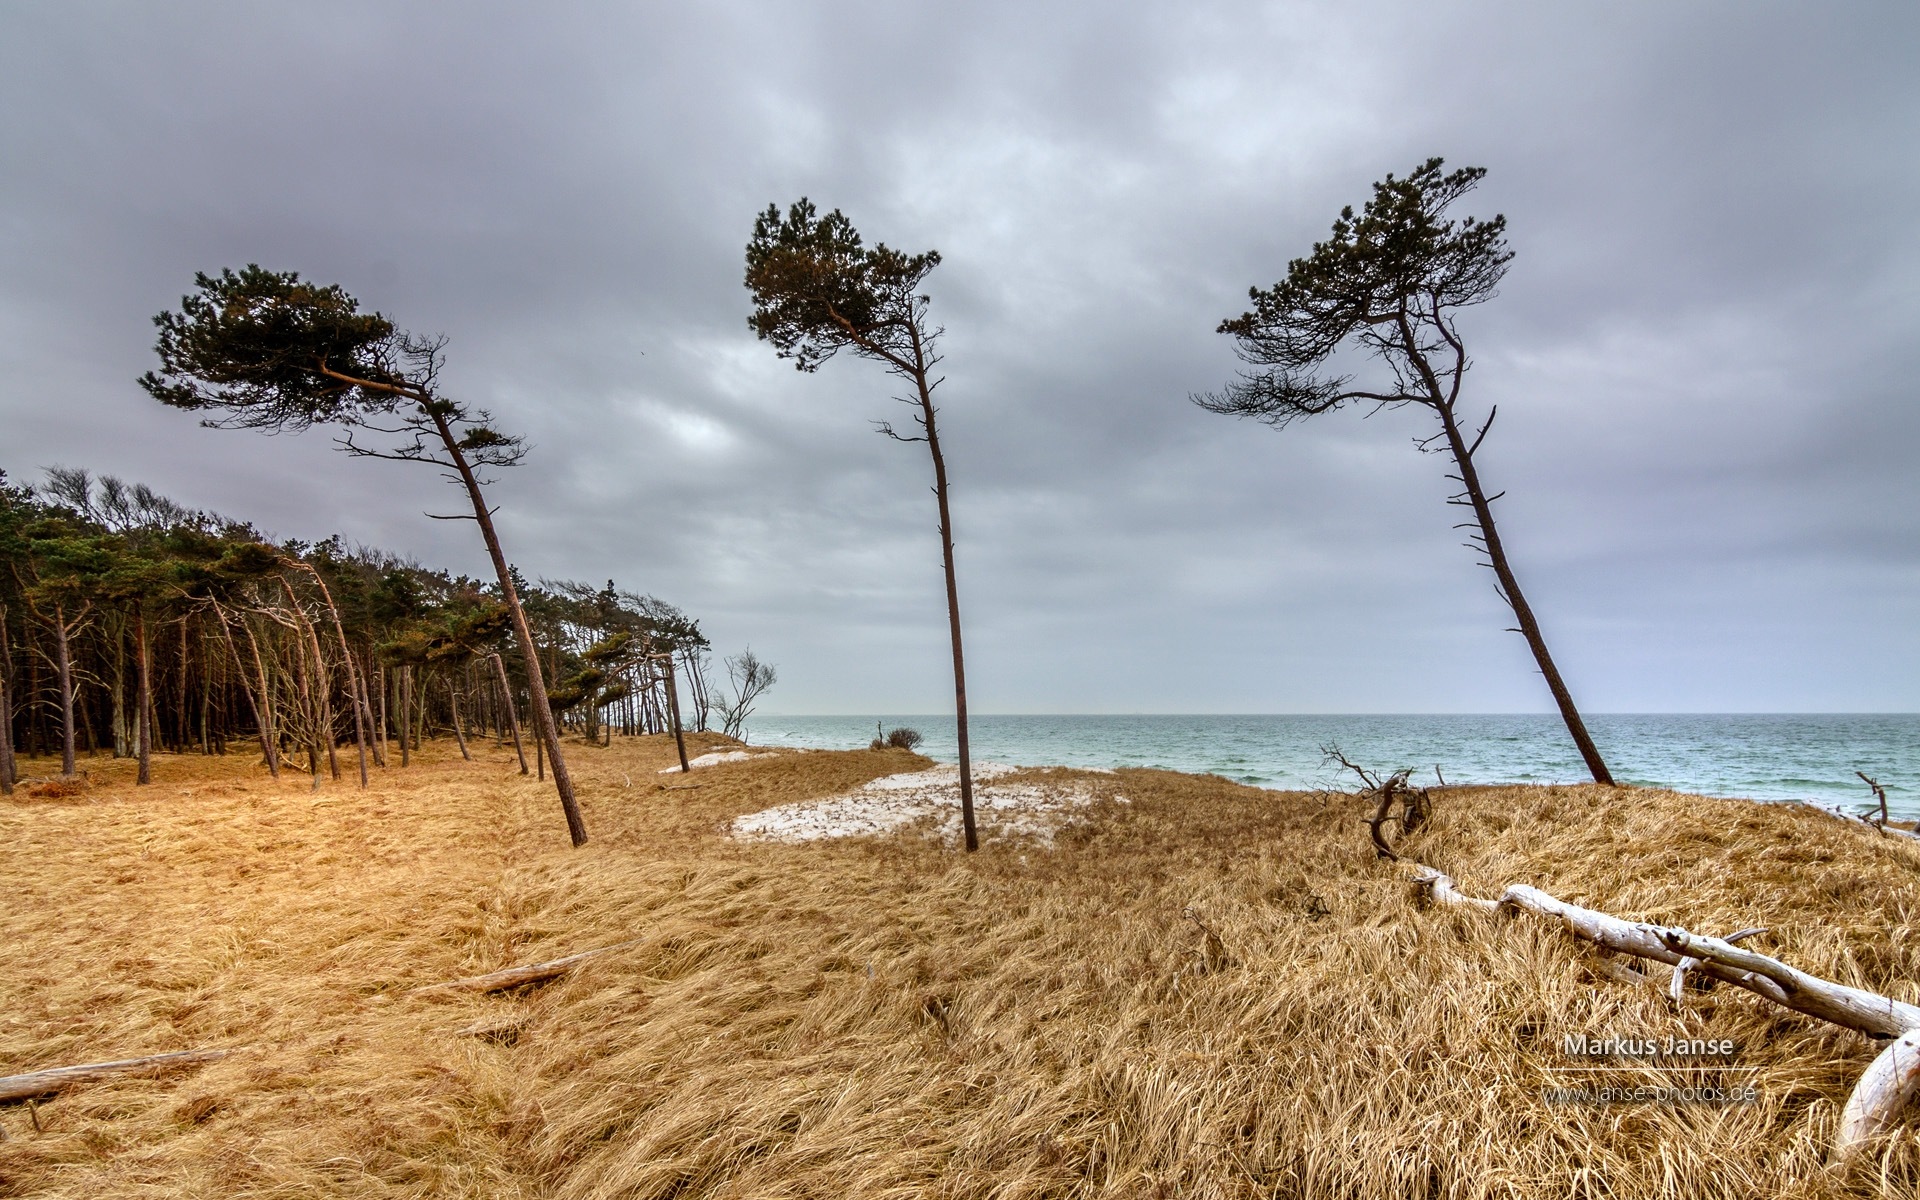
x=129, y=623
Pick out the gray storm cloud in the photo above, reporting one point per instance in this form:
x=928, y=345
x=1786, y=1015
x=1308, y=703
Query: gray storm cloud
x=1703, y=354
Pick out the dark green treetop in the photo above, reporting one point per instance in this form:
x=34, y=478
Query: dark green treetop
x=1387, y=279
x=266, y=350
x=817, y=289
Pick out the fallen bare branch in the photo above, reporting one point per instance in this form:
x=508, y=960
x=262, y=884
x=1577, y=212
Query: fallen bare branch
x=512, y=977
x=55, y=1080
x=1885, y=1088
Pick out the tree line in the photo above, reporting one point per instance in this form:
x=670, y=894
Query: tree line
x=130, y=623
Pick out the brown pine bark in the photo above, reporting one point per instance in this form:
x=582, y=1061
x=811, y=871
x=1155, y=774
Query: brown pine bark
x=673, y=710
x=1510, y=591
x=536, y=682
x=9, y=769
x=506, y=704
x=953, y=594
x=142, y=739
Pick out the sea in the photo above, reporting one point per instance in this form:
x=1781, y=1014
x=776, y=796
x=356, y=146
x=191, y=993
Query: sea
x=1759, y=756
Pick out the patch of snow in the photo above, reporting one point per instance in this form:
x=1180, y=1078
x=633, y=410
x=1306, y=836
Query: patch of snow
x=929, y=799
x=716, y=757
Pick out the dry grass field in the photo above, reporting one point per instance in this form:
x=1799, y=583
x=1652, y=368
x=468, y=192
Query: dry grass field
x=885, y=1017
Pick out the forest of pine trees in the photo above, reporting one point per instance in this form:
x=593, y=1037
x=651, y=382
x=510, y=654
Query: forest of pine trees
x=131, y=624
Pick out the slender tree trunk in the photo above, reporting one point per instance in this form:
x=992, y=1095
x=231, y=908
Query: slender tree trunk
x=420, y=693
x=269, y=732
x=117, y=697
x=536, y=682
x=143, y=674
x=402, y=679
x=253, y=704
x=380, y=674
x=180, y=717
x=354, y=695
x=953, y=599
x=9, y=769
x=459, y=734
x=206, y=698
x=376, y=732
x=323, y=693
x=506, y=703
x=673, y=708
x=1510, y=591
x=63, y=673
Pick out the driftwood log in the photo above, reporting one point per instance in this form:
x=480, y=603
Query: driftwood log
x=1884, y=1090
x=55, y=1080
x=513, y=977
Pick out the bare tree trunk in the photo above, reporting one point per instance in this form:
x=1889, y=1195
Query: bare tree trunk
x=506, y=702
x=459, y=734
x=206, y=698
x=180, y=721
x=402, y=680
x=9, y=769
x=117, y=696
x=143, y=742
x=380, y=677
x=953, y=596
x=253, y=705
x=1529, y=628
x=376, y=733
x=63, y=678
x=673, y=709
x=354, y=694
x=536, y=682
x=323, y=706
x=269, y=735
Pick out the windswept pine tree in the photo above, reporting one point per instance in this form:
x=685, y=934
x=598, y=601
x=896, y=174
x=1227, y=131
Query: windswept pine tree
x=264, y=350
x=817, y=290
x=1391, y=282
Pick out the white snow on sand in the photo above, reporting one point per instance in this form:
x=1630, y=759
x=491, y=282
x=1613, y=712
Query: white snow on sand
x=930, y=799
x=718, y=756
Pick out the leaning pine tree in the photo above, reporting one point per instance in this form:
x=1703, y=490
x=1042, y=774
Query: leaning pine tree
x=268, y=351
x=1390, y=281
x=816, y=291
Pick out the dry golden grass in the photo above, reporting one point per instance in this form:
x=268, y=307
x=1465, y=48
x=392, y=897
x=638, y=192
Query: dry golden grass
x=886, y=1018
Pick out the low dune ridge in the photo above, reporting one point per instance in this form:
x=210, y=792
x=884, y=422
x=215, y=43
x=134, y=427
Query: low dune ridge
x=1208, y=990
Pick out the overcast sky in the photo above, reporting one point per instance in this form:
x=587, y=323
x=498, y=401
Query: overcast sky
x=1704, y=354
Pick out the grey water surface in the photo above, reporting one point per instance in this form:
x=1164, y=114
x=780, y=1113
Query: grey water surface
x=1761, y=756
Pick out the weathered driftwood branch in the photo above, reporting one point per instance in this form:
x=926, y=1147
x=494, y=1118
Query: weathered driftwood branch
x=1853, y=818
x=58, y=1079
x=1884, y=1089
x=512, y=977
x=1416, y=805
x=1678, y=985
x=1863, y=1011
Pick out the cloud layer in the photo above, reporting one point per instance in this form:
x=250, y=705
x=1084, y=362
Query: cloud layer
x=1703, y=355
